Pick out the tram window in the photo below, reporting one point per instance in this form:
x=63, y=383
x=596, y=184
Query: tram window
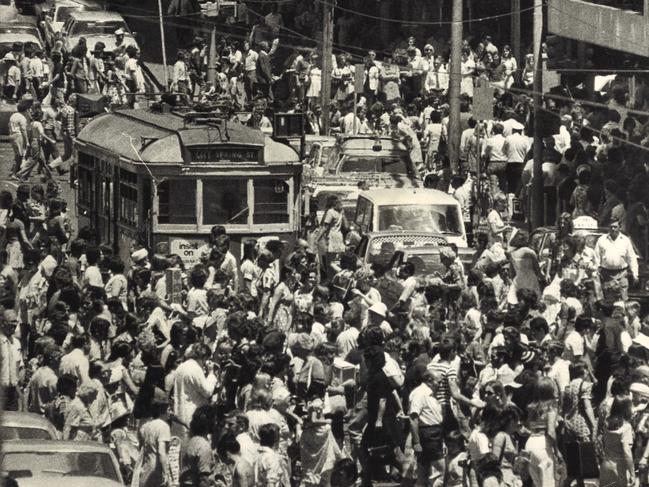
x=271, y=201
x=225, y=201
x=177, y=202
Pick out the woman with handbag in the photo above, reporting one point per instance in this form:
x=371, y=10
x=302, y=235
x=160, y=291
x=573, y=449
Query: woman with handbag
x=580, y=423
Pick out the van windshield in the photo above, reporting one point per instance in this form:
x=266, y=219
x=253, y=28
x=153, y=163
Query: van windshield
x=420, y=218
x=388, y=164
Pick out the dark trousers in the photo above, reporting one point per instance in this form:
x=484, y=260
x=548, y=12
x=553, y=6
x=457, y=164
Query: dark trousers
x=11, y=398
x=513, y=174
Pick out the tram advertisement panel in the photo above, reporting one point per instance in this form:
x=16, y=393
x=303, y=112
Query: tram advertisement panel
x=189, y=250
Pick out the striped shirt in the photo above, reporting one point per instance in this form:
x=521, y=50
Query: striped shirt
x=446, y=372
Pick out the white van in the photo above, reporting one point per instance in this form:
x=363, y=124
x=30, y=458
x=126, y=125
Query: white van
x=411, y=210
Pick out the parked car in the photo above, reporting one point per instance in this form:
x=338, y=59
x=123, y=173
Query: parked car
x=52, y=19
x=64, y=463
x=96, y=26
x=25, y=426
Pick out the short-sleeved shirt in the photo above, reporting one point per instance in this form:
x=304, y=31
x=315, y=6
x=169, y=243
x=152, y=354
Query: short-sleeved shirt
x=197, y=461
x=378, y=387
x=447, y=372
x=424, y=405
x=574, y=345
x=92, y=277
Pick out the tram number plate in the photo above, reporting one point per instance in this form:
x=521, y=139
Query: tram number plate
x=224, y=154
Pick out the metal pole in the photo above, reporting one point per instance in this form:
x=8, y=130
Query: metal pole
x=327, y=51
x=538, y=209
x=516, y=30
x=211, y=63
x=162, y=42
x=455, y=79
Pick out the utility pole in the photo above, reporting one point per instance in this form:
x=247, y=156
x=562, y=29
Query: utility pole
x=164, y=49
x=516, y=30
x=211, y=60
x=327, y=51
x=455, y=80
x=537, y=203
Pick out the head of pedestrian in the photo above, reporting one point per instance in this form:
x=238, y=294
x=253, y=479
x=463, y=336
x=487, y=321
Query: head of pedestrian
x=119, y=36
x=8, y=322
x=614, y=229
x=98, y=50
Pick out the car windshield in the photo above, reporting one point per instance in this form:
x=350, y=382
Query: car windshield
x=18, y=433
x=97, y=28
x=387, y=164
x=58, y=463
x=63, y=13
x=420, y=218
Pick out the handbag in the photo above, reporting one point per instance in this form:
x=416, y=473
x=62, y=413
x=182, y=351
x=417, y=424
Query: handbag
x=521, y=465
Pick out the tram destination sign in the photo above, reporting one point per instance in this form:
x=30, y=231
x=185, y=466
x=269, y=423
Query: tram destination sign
x=225, y=154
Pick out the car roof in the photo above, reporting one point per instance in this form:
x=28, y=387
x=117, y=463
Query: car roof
x=24, y=420
x=67, y=481
x=96, y=15
x=408, y=196
x=15, y=446
x=364, y=143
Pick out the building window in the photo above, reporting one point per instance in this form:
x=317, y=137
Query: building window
x=225, y=202
x=177, y=202
x=271, y=201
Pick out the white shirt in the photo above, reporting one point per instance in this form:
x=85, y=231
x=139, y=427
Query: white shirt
x=516, y=147
x=560, y=372
x=495, y=145
x=75, y=363
x=192, y=389
x=425, y=406
x=92, y=277
x=575, y=345
x=347, y=341
x=616, y=254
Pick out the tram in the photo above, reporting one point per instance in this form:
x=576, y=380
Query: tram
x=163, y=179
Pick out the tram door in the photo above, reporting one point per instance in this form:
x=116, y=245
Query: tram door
x=105, y=203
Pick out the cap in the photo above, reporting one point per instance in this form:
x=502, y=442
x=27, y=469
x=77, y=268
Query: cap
x=139, y=255
x=380, y=309
x=640, y=389
x=9, y=57
x=528, y=356
x=642, y=340
x=516, y=125
x=119, y=32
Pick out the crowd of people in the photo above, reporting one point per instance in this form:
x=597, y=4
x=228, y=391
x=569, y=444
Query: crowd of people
x=299, y=364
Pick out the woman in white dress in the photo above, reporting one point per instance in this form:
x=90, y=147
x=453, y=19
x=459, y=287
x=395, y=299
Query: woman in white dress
x=315, y=82
x=525, y=264
x=511, y=66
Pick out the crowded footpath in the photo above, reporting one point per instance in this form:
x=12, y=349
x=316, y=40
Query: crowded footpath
x=301, y=365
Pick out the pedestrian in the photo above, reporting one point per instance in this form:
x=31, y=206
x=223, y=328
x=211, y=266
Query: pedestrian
x=18, y=132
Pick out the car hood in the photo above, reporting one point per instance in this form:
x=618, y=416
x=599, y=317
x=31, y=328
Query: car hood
x=108, y=40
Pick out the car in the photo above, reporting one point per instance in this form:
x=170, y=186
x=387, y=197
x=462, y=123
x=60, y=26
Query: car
x=379, y=161
x=542, y=240
x=96, y=26
x=52, y=19
x=423, y=210
x=18, y=31
x=25, y=426
x=64, y=463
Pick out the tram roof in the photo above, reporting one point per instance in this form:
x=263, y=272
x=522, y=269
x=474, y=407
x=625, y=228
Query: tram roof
x=161, y=137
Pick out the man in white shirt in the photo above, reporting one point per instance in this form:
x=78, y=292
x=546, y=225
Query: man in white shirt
x=515, y=148
x=426, y=419
x=559, y=367
x=495, y=156
x=192, y=387
x=615, y=257
x=76, y=362
x=347, y=126
x=11, y=358
x=437, y=78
